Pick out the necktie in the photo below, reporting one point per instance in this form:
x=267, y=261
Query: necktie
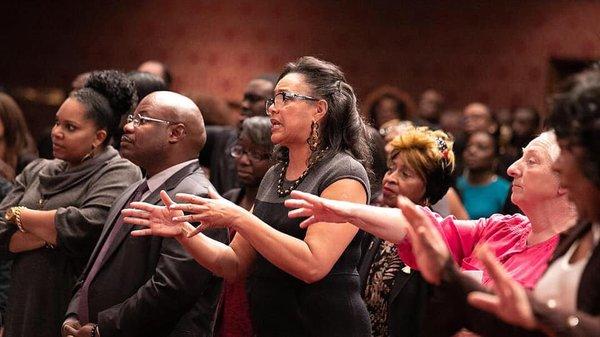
x=83, y=310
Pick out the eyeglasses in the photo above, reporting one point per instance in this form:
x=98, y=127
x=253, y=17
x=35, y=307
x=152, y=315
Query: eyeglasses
x=237, y=151
x=141, y=120
x=253, y=98
x=283, y=97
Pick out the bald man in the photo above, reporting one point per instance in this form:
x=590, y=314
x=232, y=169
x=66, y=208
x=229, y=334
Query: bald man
x=149, y=286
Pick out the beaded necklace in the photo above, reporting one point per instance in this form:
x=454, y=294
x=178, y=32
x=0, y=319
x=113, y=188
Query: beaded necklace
x=284, y=192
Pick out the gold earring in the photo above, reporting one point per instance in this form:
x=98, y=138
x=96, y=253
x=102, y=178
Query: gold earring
x=90, y=154
x=313, y=140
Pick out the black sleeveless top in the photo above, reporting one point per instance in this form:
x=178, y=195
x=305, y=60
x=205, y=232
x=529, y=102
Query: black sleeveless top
x=282, y=305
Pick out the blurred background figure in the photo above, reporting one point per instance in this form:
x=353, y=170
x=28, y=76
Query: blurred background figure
x=451, y=121
x=483, y=192
x=157, y=68
x=17, y=147
x=386, y=106
x=525, y=125
x=79, y=81
x=431, y=105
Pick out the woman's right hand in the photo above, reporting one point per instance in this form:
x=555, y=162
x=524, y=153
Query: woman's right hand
x=317, y=209
x=157, y=219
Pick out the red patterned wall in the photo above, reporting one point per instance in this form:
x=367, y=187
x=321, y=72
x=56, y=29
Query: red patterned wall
x=497, y=52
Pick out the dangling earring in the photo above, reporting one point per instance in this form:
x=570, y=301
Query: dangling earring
x=90, y=154
x=313, y=140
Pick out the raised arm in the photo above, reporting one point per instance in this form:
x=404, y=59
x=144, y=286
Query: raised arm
x=310, y=259
x=386, y=223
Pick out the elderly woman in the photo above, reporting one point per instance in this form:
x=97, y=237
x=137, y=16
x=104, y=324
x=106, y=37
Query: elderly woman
x=566, y=300
x=56, y=211
x=419, y=167
x=523, y=243
x=301, y=282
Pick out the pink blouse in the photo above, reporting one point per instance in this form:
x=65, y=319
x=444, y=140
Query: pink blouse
x=505, y=235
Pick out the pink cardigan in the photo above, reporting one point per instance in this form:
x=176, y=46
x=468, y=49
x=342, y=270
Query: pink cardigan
x=506, y=235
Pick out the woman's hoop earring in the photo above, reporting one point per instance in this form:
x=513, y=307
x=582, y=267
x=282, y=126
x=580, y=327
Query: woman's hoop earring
x=90, y=154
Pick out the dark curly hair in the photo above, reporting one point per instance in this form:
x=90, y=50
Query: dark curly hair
x=575, y=117
x=343, y=128
x=107, y=95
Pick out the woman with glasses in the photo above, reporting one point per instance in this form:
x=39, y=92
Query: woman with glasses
x=55, y=214
x=300, y=282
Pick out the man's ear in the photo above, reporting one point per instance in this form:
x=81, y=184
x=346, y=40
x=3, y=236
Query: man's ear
x=176, y=133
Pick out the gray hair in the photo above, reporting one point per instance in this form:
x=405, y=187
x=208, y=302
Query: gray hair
x=258, y=129
x=547, y=140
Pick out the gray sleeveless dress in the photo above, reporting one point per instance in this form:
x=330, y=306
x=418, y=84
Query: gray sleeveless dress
x=282, y=305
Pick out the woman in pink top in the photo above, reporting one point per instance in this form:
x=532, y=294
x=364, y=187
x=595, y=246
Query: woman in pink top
x=523, y=244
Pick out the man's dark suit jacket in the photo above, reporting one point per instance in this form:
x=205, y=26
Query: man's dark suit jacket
x=149, y=286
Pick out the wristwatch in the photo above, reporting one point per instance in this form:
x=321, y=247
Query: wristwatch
x=14, y=215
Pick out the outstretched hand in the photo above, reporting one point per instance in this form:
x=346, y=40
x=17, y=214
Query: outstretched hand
x=429, y=248
x=317, y=209
x=157, y=219
x=509, y=302
x=212, y=212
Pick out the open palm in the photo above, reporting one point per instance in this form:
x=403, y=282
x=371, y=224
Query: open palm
x=157, y=219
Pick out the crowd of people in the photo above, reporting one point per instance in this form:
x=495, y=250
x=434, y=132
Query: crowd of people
x=306, y=216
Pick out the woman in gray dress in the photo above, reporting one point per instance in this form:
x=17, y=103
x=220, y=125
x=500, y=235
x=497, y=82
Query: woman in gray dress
x=55, y=213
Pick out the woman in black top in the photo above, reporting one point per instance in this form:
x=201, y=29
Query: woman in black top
x=302, y=282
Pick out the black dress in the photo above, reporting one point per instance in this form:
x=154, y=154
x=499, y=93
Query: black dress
x=282, y=305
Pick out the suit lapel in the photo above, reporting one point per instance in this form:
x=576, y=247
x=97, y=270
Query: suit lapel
x=153, y=198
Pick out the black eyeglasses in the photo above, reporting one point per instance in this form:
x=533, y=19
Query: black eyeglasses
x=283, y=97
x=141, y=120
x=253, y=98
x=237, y=151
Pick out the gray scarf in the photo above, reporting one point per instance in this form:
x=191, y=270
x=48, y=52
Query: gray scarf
x=57, y=176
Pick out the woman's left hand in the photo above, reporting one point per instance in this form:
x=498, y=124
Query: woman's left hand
x=510, y=302
x=213, y=212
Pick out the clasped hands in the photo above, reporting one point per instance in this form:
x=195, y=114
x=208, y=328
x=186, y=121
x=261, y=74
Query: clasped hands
x=72, y=328
x=170, y=220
